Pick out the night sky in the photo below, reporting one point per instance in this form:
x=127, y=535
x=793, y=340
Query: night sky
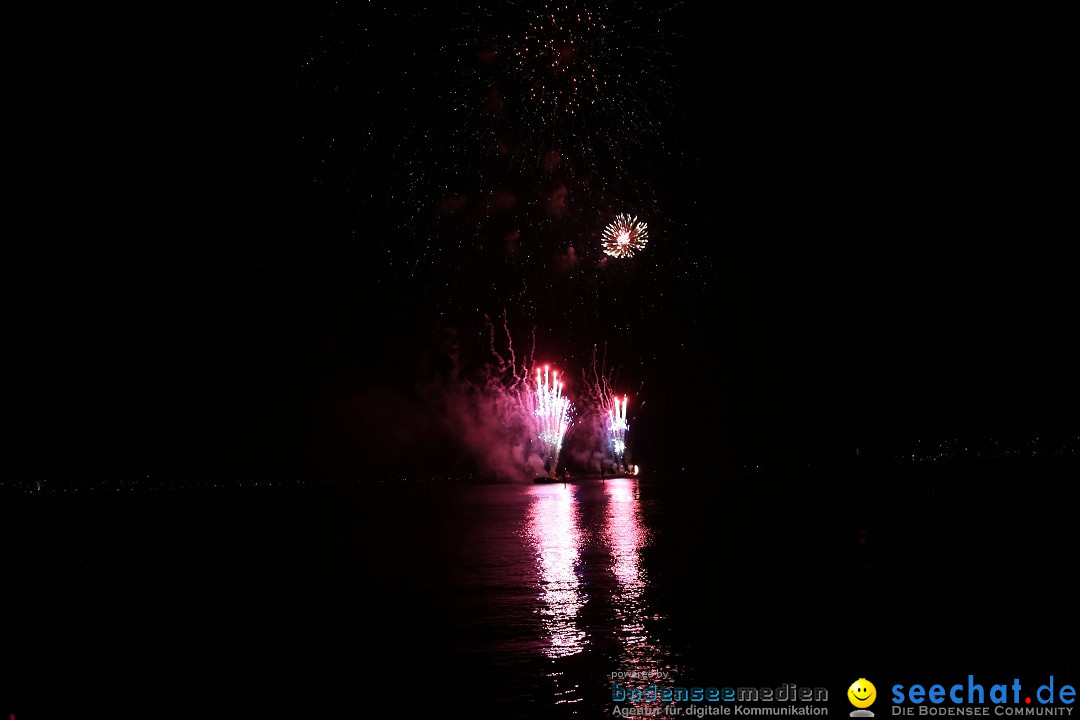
x=860, y=232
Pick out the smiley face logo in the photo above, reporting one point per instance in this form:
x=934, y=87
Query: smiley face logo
x=862, y=693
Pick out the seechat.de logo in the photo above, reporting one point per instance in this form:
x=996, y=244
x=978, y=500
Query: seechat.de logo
x=973, y=698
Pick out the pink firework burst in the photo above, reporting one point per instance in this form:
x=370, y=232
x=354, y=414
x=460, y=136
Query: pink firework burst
x=624, y=236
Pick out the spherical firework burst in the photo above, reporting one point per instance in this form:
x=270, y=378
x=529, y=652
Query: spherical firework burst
x=625, y=236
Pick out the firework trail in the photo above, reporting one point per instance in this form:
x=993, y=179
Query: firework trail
x=552, y=413
x=624, y=236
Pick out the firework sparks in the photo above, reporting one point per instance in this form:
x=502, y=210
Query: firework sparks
x=552, y=414
x=618, y=426
x=581, y=78
x=554, y=55
x=624, y=236
x=609, y=412
x=506, y=131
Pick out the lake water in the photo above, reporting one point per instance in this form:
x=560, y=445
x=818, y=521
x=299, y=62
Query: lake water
x=522, y=600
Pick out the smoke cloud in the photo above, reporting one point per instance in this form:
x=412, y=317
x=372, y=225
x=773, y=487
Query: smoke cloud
x=478, y=419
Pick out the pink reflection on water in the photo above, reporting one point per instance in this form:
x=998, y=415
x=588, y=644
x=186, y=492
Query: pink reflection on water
x=555, y=531
x=627, y=535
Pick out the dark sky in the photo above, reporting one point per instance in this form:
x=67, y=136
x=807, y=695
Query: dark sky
x=862, y=237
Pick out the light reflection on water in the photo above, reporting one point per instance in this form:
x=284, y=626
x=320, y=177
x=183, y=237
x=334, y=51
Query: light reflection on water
x=626, y=536
x=555, y=532
x=568, y=527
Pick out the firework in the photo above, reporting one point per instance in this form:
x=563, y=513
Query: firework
x=618, y=426
x=607, y=414
x=552, y=415
x=624, y=236
x=555, y=56
x=582, y=78
x=496, y=134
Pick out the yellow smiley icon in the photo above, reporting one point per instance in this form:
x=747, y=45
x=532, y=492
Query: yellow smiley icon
x=862, y=693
